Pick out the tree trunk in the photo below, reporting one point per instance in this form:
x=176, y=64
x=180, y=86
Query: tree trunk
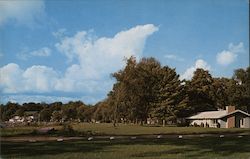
x=114, y=123
x=163, y=122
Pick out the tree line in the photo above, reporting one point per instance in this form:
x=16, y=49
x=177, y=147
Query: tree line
x=55, y=112
x=147, y=90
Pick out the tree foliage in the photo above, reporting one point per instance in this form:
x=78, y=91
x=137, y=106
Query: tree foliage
x=145, y=89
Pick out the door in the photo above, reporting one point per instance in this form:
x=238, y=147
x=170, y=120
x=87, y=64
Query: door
x=237, y=121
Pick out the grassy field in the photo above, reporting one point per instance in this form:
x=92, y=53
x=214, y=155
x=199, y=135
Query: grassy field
x=206, y=147
x=121, y=129
x=141, y=147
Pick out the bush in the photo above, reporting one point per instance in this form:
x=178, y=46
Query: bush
x=67, y=130
x=183, y=124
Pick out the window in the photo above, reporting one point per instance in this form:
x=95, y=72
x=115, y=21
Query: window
x=215, y=121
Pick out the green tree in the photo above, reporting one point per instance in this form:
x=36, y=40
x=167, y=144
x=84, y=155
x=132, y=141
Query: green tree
x=9, y=110
x=239, y=89
x=80, y=112
x=45, y=115
x=172, y=100
x=133, y=92
x=201, y=91
x=56, y=116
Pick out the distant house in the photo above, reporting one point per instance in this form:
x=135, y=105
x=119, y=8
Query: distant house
x=229, y=118
x=16, y=119
x=29, y=116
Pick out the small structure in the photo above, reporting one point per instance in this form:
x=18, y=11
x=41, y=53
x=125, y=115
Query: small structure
x=16, y=119
x=229, y=118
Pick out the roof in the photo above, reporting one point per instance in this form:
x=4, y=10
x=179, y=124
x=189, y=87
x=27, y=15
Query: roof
x=215, y=114
x=238, y=111
x=209, y=115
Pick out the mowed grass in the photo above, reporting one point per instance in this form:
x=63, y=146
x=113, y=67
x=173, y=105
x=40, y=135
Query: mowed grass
x=121, y=129
x=130, y=129
x=22, y=130
x=206, y=147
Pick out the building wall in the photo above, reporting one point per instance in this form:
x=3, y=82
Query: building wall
x=223, y=123
x=246, y=122
x=204, y=121
x=231, y=122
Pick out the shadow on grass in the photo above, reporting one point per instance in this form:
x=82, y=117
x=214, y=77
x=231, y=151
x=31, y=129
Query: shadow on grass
x=200, y=147
x=193, y=148
x=27, y=149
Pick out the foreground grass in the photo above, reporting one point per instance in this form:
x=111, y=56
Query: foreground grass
x=207, y=147
x=121, y=129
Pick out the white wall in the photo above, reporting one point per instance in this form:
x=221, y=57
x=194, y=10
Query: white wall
x=210, y=122
x=204, y=121
x=246, y=122
x=223, y=124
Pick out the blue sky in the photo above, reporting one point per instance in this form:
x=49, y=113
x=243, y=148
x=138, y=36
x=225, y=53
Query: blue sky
x=66, y=50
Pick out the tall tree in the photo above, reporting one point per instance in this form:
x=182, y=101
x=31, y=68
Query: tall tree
x=172, y=100
x=201, y=91
x=134, y=88
x=239, y=91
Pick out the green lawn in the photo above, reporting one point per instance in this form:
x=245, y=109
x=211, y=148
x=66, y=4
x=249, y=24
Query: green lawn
x=121, y=129
x=171, y=147
x=207, y=147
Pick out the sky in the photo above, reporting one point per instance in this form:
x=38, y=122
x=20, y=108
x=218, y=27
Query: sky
x=67, y=50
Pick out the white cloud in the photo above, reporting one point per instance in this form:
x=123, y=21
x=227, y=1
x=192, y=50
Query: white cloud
x=11, y=78
x=188, y=74
x=60, y=33
x=36, y=99
x=41, y=52
x=96, y=59
x=34, y=79
x=22, y=11
x=39, y=79
x=25, y=54
x=173, y=57
x=99, y=57
x=227, y=57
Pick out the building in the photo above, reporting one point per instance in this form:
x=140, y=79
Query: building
x=29, y=116
x=229, y=118
x=16, y=119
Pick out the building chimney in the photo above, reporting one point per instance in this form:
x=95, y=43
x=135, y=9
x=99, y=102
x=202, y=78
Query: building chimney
x=230, y=109
x=230, y=119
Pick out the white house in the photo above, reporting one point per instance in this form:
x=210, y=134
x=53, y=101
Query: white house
x=16, y=119
x=229, y=118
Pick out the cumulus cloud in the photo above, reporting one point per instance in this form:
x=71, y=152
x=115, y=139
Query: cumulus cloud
x=37, y=78
x=188, y=74
x=11, y=78
x=173, y=57
x=23, y=12
x=228, y=56
x=96, y=58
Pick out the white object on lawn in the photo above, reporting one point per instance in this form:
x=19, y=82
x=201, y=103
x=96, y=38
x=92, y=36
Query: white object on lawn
x=59, y=140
